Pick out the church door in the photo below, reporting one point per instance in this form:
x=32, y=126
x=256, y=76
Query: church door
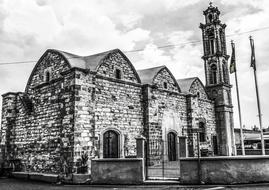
x=111, y=145
x=172, y=146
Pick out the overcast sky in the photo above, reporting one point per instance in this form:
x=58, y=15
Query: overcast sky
x=85, y=27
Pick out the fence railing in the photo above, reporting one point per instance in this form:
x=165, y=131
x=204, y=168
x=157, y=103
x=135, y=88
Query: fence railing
x=158, y=159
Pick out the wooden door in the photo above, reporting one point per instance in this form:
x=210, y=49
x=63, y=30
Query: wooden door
x=172, y=153
x=111, y=145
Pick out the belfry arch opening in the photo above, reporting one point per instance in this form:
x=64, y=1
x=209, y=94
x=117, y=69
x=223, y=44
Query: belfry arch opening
x=213, y=74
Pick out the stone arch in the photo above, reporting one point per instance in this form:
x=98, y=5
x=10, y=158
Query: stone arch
x=203, y=92
x=213, y=74
x=170, y=74
x=39, y=62
x=124, y=57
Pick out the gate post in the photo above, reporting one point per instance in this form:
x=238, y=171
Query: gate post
x=140, y=147
x=183, y=146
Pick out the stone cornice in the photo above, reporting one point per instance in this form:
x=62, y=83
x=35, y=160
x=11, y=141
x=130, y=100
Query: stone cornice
x=47, y=83
x=11, y=93
x=118, y=80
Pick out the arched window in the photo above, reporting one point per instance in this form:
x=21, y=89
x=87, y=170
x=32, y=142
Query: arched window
x=172, y=152
x=202, y=135
x=47, y=76
x=213, y=75
x=111, y=144
x=165, y=85
x=210, y=17
x=118, y=74
x=225, y=74
x=212, y=46
x=198, y=94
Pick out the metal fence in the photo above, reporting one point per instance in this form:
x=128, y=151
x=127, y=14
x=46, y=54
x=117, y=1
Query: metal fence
x=161, y=161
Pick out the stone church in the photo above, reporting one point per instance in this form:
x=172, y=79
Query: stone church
x=98, y=105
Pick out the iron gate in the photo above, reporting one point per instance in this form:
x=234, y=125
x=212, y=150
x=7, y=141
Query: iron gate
x=162, y=159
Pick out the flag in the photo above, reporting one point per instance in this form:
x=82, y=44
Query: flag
x=252, y=59
x=232, y=64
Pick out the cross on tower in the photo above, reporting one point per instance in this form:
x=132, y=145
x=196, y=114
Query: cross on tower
x=210, y=3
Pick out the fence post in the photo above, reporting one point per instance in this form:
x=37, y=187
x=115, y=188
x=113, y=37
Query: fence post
x=183, y=146
x=140, y=147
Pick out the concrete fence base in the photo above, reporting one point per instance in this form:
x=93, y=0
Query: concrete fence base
x=118, y=171
x=51, y=178
x=225, y=170
x=252, y=151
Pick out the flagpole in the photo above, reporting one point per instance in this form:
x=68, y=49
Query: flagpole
x=238, y=102
x=258, y=97
x=240, y=118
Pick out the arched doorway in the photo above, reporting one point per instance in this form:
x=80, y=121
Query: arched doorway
x=111, y=144
x=172, y=151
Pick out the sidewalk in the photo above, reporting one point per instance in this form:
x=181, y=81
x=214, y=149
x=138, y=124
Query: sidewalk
x=16, y=184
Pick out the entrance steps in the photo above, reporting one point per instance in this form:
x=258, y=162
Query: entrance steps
x=162, y=181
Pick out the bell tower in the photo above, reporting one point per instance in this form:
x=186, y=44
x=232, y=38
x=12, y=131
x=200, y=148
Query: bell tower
x=217, y=78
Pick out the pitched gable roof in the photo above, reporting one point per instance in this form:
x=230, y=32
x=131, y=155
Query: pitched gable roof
x=86, y=62
x=186, y=83
x=147, y=75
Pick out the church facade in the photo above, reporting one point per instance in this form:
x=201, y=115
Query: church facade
x=98, y=105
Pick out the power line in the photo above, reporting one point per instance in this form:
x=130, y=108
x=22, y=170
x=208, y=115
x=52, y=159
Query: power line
x=158, y=47
x=16, y=62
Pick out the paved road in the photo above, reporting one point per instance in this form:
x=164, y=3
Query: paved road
x=14, y=184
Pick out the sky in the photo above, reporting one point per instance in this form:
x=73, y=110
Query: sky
x=85, y=27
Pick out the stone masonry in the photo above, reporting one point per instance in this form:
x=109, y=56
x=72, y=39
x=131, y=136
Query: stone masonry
x=51, y=124
x=97, y=105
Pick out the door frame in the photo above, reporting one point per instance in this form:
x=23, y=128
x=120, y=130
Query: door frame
x=174, y=146
x=120, y=143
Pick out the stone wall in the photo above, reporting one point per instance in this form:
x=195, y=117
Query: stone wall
x=119, y=106
x=165, y=111
x=118, y=171
x=118, y=61
x=51, y=62
x=164, y=76
x=8, y=122
x=118, y=103
x=225, y=170
x=41, y=135
x=200, y=109
x=84, y=129
x=56, y=121
x=103, y=102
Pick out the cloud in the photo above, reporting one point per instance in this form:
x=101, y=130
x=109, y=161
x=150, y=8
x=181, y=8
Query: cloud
x=42, y=2
x=28, y=28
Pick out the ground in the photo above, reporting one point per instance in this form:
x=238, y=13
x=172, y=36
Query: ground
x=14, y=184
